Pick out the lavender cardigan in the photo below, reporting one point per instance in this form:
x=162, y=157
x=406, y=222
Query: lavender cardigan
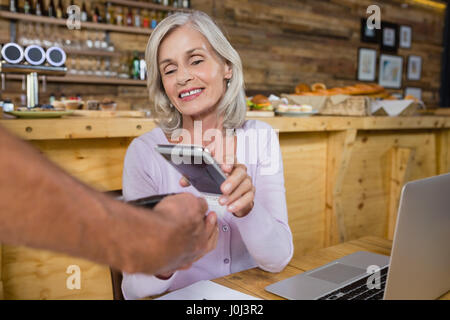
x=261, y=239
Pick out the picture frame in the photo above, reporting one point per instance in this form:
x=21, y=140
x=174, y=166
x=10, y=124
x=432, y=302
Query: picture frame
x=414, y=70
x=367, y=64
x=416, y=92
x=369, y=35
x=389, y=37
x=405, y=37
x=390, y=71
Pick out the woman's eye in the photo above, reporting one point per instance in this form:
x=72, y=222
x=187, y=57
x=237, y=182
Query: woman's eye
x=170, y=71
x=197, y=62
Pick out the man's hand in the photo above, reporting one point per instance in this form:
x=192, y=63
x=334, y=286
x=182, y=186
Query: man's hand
x=189, y=234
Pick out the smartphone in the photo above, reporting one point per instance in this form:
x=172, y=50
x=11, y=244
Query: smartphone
x=149, y=202
x=196, y=164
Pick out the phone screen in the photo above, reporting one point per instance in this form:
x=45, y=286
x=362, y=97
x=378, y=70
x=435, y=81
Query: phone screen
x=202, y=174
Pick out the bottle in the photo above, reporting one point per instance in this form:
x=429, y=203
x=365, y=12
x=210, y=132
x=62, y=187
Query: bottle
x=137, y=19
x=39, y=9
x=119, y=16
x=134, y=69
x=12, y=6
x=186, y=4
x=26, y=7
x=142, y=68
x=145, y=20
x=129, y=18
x=84, y=14
x=108, y=13
x=175, y=3
x=51, y=9
x=60, y=10
x=153, y=19
x=96, y=17
x=52, y=99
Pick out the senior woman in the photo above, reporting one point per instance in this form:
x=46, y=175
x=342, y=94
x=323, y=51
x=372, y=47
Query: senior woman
x=196, y=86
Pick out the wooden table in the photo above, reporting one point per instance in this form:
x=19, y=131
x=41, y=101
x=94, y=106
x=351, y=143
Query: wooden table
x=254, y=281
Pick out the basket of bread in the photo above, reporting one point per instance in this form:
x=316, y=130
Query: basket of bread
x=355, y=100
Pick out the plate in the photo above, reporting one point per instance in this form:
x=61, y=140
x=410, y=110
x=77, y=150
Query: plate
x=296, y=113
x=39, y=114
x=260, y=114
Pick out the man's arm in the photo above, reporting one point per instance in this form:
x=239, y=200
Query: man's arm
x=41, y=206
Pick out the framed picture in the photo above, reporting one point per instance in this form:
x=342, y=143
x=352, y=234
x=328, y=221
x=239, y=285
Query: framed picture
x=414, y=68
x=416, y=92
x=390, y=71
x=369, y=35
x=367, y=64
x=389, y=37
x=405, y=35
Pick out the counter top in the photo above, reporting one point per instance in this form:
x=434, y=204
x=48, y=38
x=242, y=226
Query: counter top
x=99, y=127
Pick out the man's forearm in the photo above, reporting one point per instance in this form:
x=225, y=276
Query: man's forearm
x=43, y=207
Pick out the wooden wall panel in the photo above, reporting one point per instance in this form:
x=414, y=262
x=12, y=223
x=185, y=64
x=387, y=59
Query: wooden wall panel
x=286, y=42
x=30, y=274
x=94, y=163
x=304, y=160
x=366, y=186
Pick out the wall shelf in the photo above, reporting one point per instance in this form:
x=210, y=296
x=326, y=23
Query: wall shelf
x=62, y=22
x=92, y=52
x=87, y=80
x=145, y=5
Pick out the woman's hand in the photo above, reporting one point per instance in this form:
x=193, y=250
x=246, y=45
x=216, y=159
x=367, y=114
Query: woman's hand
x=238, y=190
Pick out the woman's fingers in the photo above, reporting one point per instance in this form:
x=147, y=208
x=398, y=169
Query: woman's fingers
x=244, y=187
x=184, y=182
x=243, y=205
x=238, y=174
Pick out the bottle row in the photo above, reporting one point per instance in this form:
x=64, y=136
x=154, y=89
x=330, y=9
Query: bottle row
x=110, y=14
x=124, y=67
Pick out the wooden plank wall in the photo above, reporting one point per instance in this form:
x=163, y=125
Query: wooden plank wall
x=286, y=42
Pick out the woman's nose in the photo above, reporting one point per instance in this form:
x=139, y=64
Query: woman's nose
x=183, y=75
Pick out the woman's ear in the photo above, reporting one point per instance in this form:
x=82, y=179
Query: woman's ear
x=228, y=71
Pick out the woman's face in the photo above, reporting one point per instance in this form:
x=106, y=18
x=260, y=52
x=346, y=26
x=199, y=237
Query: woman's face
x=193, y=75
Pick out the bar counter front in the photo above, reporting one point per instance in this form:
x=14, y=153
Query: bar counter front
x=343, y=178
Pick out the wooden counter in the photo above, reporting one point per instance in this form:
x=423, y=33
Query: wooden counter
x=343, y=175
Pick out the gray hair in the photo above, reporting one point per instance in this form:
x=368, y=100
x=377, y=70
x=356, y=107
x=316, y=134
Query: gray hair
x=232, y=105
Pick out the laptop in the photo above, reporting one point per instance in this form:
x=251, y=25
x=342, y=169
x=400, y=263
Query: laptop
x=419, y=265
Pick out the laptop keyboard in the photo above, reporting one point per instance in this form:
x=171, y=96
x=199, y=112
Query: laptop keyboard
x=359, y=290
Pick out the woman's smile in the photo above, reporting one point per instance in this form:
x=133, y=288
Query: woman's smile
x=190, y=94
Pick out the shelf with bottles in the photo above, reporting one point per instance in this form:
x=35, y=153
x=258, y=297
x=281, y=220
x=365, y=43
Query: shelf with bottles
x=111, y=15
x=127, y=66
x=78, y=42
x=162, y=5
x=62, y=22
x=100, y=80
